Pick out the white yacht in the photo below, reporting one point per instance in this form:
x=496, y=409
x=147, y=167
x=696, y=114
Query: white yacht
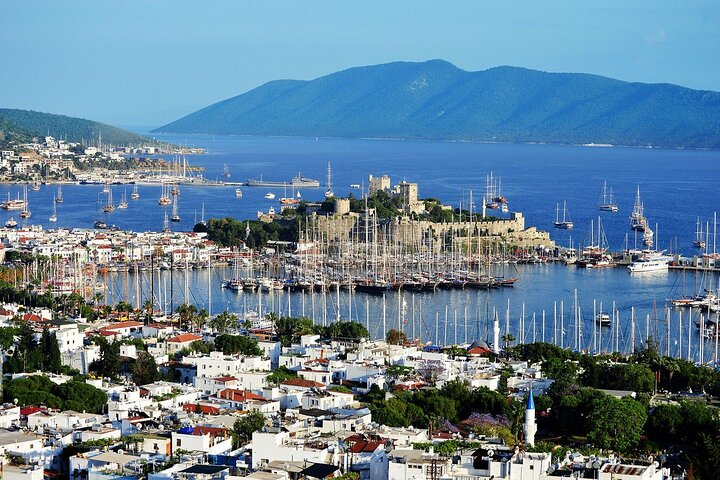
x=650, y=261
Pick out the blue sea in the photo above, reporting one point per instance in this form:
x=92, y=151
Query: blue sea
x=676, y=187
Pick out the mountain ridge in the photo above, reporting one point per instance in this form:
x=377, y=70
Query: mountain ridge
x=74, y=129
x=436, y=100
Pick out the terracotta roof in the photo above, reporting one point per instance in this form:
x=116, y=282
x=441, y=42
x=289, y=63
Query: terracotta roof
x=206, y=409
x=213, y=431
x=363, y=446
x=301, y=382
x=32, y=317
x=158, y=325
x=224, y=379
x=238, y=395
x=185, y=337
x=126, y=324
x=31, y=409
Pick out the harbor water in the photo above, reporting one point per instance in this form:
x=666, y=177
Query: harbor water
x=676, y=186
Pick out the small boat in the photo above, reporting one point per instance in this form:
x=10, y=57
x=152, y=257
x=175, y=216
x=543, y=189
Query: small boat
x=175, y=215
x=53, y=217
x=175, y=190
x=607, y=201
x=504, y=208
x=355, y=186
x=637, y=217
x=329, y=192
x=35, y=186
x=238, y=193
x=26, y=207
x=109, y=207
x=106, y=188
x=270, y=196
x=699, y=236
x=202, y=216
x=135, y=194
x=565, y=223
x=603, y=319
x=164, y=196
x=59, y=196
x=13, y=204
x=100, y=225
x=226, y=171
x=166, y=224
x=123, y=202
x=12, y=223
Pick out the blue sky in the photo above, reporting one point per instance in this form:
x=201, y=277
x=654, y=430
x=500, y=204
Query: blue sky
x=149, y=62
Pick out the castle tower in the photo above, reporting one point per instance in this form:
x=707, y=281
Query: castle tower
x=530, y=427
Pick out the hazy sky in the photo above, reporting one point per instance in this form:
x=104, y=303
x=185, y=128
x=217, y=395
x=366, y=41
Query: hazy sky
x=148, y=62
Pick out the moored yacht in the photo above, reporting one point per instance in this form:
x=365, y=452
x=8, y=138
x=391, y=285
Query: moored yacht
x=650, y=261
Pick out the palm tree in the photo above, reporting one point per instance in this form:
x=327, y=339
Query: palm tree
x=508, y=338
x=200, y=318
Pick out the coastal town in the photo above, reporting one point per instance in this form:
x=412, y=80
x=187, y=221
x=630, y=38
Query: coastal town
x=102, y=383
x=53, y=160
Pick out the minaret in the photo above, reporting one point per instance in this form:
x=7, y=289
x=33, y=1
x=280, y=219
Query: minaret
x=530, y=427
x=483, y=208
x=496, y=334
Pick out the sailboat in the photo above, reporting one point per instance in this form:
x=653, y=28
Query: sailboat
x=175, y=216
x=59, y=196
x=135, y=194
x=166, y=224
x=109, y=207
x=164, y=196
x=565, y=223
x=607, y=201
x=53, y=217
x=490, y=193
x=637, y=217
x=289, y=200
x=123, y=201
x=329, y=192
x=202, y=216
x=699, y=235
x=26, y=213
x=226, y=171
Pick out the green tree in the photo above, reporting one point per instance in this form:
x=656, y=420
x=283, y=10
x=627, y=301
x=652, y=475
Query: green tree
x=186, y=314
x=108, y=365
x=223, y=322
x=350, y=330
x=233, y=344
x=144, y=369
x=49, y=345
x=616, y=424
x=395, y=337
x=244, y=427
x=280, y=374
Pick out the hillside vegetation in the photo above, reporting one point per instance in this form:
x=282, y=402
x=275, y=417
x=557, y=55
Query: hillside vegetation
x=27, y=123
x=436, y=100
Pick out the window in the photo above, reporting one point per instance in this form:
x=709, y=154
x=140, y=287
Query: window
x=178, y=443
